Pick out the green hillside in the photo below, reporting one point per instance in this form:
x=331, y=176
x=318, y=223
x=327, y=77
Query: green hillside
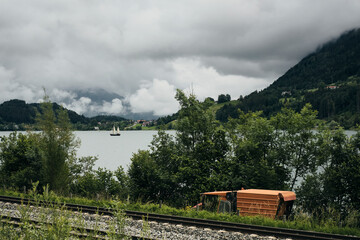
x=19, y=115
x=329, y=79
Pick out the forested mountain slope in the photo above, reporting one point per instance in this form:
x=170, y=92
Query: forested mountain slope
x=15, y=114
x=18, y=111
x=329, y=79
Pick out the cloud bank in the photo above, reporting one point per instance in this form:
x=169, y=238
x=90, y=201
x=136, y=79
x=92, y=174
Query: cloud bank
x=144, y=50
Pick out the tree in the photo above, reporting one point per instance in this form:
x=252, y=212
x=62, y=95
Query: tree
x=20, y=160
x=342, y=170
x=164, y=154
x=275, y=153
x=180, y=168
x=224, y=98
x=297, y=141
x=143, y=177
x=58, y=146
x=254, y=161
x=201, y=147
x=226, y=112
x=336, y=185
x=123, y=190
x=209, y=99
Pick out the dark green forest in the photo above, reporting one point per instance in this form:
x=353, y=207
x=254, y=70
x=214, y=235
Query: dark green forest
x=328, y=79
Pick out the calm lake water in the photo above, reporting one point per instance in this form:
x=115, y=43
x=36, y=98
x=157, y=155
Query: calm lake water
x=116, y=151
x=113, y=151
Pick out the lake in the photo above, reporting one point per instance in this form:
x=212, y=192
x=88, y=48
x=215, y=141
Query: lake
x=113, y=151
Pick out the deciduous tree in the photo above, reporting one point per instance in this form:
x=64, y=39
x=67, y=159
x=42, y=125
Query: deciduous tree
x=58, y=146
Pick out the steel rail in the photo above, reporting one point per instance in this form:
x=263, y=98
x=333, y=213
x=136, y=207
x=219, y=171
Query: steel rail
x=239, y=227
x=204, y=223
x=80, y=232
x=77, y=232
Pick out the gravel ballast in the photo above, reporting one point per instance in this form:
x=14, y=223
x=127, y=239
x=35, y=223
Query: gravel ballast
x=139, y=228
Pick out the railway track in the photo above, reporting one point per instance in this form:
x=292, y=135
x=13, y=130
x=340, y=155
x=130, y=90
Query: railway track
x=202, y=223
x=79, y=232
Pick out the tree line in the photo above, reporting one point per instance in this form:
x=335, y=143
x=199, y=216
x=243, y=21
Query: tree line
x=282, y=152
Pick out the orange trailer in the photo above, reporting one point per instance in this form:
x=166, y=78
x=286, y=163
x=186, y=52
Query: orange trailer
x=269, y=203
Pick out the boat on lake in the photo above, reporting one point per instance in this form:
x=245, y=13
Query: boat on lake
x=115, y=132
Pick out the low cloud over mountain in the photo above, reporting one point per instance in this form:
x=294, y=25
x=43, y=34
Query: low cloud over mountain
x=140, y=52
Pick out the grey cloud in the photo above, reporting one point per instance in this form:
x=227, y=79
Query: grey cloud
x=268, y=69
x=119, y=46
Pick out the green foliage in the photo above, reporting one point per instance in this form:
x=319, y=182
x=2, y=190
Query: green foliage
x=179, y=169
x=101, y=183
x=297, y=140
x=224, y=98
x=336, y=186
x=20, y=160
x=17, y=111
x=58, y=146
x=81, y=166
x=167, y=119
x=163, y=152
x=256, y=160
x=144, y=177
x=123, y=190
x=226, y=112
x=200, y=146
x=272, y=154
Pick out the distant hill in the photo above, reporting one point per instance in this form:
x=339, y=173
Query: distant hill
x=18, y=112
x=329, y=79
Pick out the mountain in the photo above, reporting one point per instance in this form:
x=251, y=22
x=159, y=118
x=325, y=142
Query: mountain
x=18, y=112
x=328, y=78
x=334, y=62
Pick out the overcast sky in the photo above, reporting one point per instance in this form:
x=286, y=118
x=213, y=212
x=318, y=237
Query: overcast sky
x=145, y=50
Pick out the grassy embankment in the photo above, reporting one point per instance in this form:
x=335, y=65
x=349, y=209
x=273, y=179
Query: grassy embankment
x=300, y=221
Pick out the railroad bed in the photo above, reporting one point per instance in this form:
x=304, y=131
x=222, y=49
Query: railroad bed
x=173, y=227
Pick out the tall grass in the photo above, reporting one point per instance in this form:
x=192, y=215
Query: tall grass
x=300, y=220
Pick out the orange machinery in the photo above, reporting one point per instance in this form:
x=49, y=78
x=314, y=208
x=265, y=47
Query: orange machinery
x=270, y=203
